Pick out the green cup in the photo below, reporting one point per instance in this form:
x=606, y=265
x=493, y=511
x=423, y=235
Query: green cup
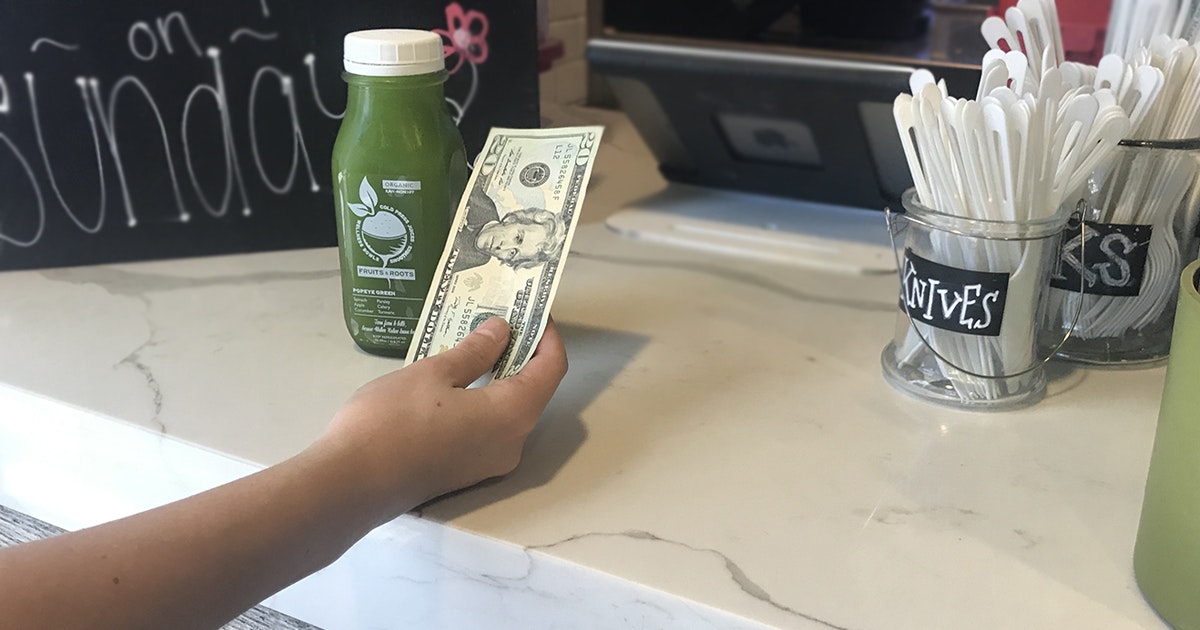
x=1166, y=557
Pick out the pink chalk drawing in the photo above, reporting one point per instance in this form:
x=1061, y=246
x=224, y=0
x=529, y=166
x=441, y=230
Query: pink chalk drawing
x=466, y=35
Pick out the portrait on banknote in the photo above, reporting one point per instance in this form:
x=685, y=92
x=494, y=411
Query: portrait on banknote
x=521, y=239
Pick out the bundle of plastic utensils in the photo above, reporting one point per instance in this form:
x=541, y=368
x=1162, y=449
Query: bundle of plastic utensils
x=1175, y=114
x=1013, y=156
x=1148, y=187
x=1132, y=24
x=1030, y=28
x=1027, y=42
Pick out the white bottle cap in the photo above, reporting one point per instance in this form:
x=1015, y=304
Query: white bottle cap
x=393, y=52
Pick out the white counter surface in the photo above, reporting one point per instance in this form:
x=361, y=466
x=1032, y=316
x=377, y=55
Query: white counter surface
x=723, y=453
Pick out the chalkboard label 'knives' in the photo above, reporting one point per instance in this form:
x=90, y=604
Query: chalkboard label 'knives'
x=958, y=300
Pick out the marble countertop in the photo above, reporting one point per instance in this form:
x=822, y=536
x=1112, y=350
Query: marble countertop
x=723, y=453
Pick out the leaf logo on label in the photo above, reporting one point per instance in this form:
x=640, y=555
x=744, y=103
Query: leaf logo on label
x=367, y=195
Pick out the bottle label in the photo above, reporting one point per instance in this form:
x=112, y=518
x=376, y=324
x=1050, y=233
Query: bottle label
x=381, y=233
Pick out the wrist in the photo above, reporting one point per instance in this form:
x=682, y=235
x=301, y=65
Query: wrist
x=362, y=477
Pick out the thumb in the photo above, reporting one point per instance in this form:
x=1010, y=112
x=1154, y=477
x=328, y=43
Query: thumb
x=475, y=355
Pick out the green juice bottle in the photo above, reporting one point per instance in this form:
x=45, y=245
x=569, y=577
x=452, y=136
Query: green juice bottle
x=399, y=169
x=1166, y=554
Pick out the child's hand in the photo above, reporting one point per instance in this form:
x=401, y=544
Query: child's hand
x=417, y=433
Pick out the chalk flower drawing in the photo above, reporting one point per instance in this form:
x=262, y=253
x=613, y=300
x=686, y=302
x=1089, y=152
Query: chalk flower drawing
x=466, y=35
x=467, y=32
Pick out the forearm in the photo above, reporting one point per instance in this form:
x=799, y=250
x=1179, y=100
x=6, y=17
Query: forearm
x=400, y=440
x=198, y=562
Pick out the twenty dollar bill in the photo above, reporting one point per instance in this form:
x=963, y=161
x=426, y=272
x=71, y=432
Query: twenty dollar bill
x=509, y=240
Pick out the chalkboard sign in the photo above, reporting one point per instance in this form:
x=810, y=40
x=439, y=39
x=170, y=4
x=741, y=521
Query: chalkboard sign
x=959, y=300
x=135, y=130
x=1106, y=259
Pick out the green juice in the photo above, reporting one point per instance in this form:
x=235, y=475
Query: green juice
x=1166, y=556
x=399, y=169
